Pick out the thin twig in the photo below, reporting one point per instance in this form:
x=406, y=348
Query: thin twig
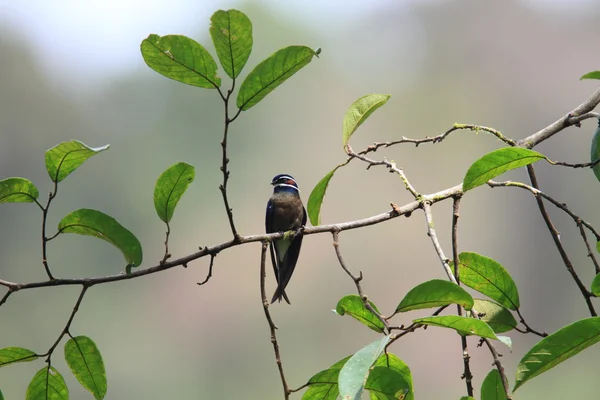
x=272, y=327
x=499, y=367
x=51, y=196
x=68, y=325
x=556, y=238
x=224, y=170
x=210, y=268
x=590, y=253
x=436, y=243
x=5, y=297
x=357, y=279
x=167, y=254
x=529, y=329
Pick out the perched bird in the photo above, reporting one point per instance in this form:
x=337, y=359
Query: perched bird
x=285, y=212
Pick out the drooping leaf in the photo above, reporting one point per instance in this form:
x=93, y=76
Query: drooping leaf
x=95, y=223
x=315, y=200
x=355, y=372
x=591, y=75
x=17, y=190
x=66, y=157
x=463, y=325
x=391, y=361
x=231, y=33
x=170, y=186
x=384, y=384
x=488, y=277
x=11, y=355
x=354, y=306
x=359, y=111
x=595, y=288
x=496, y=163
x=435, y=293
x=558, y=347
x=324, y=384
x=499, y=318
x=85, y=361
x=271, y=73
x=595, y=151
x=182, y=59
x=47, y=384
x=492, y=387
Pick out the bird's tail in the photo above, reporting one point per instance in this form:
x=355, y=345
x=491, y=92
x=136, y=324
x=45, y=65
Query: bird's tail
x=279, y=293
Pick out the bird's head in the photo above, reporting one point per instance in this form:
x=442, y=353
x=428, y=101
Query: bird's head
x=284, y=183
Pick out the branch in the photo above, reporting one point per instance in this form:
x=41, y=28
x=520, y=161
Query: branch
x=225, y=161
x=395, y=212
x=357, y=279
x=436, y=243
x=272, y=327
x=556, y=237
x=499, y=367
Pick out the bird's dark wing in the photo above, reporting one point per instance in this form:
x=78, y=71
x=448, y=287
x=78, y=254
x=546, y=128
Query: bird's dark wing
x=286, y=268
x=272, y=250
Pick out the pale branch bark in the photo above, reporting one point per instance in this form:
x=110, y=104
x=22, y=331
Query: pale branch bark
x=272, y=327
x=436, y=243
x=406, y=209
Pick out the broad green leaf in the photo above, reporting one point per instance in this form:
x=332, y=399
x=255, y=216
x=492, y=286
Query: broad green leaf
x=353, y=375
x=595, y=151
x=47, y=384
x=271, y=73
x=435, y=293
x=85, y=361
x=463, y=325
x=488, y=277
x=385, y=384
x=170, y=186
x=496, y=316
x=66, y=157
x=17, y=190
x=315, y=200
x=391, y=361
x=496, y=163
x=354, y=306
x=492, y=387
x=1, y=395
x=95, y=223
x=558, y=347
x=591, y=75
x=324, y=384
x=359, y=111
x=598, y=247
x=182, y=59
x=231, y=33
x=11, y=355
x=595, y=288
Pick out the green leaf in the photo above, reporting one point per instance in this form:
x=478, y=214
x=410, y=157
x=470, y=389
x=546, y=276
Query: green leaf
x=354, y=306
x=488, y=277
x=591, y=75
x=17, y=190
x=496, y=163
x=496, y=316
x=595, y=151
x=391, y=361
x=182, y=59
x=85, y=361
x=359, y=111
x=595, y=288
x=66, y=157
x=11, y=355
x=315, y=200
x=435, y=293
x=354, y=374
x=558, y=347
x=1, y=395
x=271, y=73
x=385, y=384
x=95, y=223
x=47, y=384
x=467, y=398
x=492, y=387
x=170, y=186
x=231, y=33
x=324, y=384
x=463, y=325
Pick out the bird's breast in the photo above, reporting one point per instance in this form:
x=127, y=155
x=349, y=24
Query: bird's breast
x=287, y=212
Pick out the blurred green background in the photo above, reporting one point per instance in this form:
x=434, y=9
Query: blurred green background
x=73, y=70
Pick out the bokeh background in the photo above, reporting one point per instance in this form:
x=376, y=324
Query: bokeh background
x=73, y=70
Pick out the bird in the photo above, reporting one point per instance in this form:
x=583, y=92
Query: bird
x=285, y=212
